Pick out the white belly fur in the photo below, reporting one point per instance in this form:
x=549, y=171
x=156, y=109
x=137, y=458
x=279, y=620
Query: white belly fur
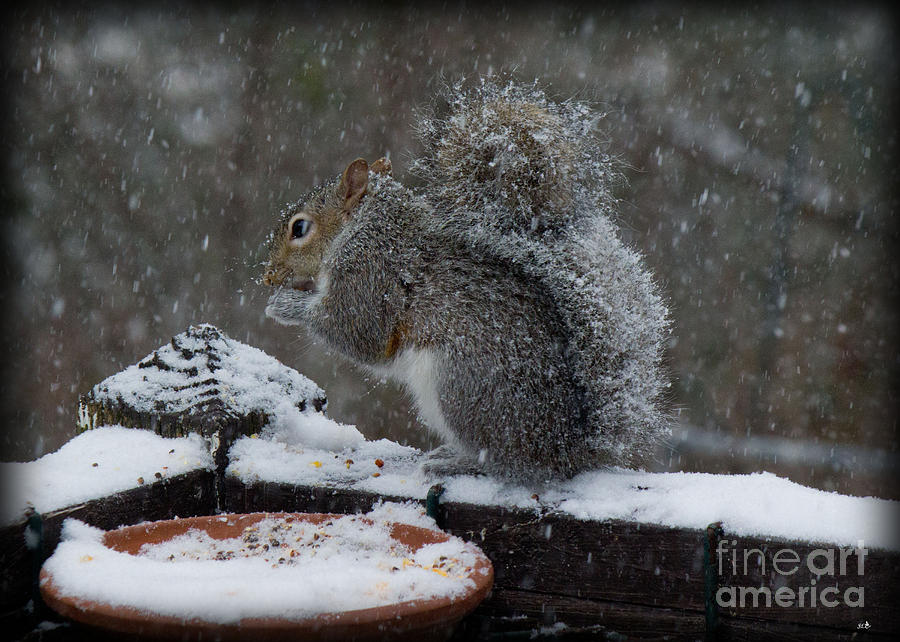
x=416, y=370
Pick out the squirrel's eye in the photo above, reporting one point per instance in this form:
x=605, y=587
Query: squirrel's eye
x=300, y=228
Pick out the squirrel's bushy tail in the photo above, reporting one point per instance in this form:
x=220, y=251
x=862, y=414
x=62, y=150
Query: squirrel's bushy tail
x=522, y=162
x=503, y=158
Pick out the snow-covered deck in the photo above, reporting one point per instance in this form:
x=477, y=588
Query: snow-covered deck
x=613, y=548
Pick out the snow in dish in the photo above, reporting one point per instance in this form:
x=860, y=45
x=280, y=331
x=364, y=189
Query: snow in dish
x=759, y=504
x=341, y=565
x=95, y=464
x=202, y=371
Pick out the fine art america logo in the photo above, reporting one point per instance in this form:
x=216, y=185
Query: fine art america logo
x=828, y=577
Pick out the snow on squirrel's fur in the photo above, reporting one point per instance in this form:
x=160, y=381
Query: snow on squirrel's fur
x=524, y=179
x=516, y=158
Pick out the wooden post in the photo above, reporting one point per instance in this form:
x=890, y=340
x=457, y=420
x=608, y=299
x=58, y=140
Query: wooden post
x=193, y=394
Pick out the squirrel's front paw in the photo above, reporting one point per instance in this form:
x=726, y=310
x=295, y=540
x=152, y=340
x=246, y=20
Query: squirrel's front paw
x=446, y=460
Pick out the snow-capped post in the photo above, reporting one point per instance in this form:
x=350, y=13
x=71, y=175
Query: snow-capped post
x=201, y=382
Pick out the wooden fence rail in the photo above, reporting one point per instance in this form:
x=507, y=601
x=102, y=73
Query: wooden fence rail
x=554, y=574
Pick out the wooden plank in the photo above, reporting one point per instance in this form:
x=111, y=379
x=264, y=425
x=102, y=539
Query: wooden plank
x=660, y=566
x=16, y=568
x=613, y=560
x=263, y=496
x=750, y=563
x=518, y=614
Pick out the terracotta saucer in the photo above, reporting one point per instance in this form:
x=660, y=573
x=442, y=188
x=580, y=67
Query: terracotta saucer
x=412, y=620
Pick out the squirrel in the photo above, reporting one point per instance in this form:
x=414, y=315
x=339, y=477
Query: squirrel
x=498, y=293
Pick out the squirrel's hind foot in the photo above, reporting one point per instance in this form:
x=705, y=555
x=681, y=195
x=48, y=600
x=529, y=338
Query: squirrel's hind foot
x=446, y=461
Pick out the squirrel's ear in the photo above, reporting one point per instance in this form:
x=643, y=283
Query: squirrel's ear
x=354, y=182
x=382, y=166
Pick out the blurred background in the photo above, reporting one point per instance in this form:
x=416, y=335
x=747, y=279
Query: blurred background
x=147, y=152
